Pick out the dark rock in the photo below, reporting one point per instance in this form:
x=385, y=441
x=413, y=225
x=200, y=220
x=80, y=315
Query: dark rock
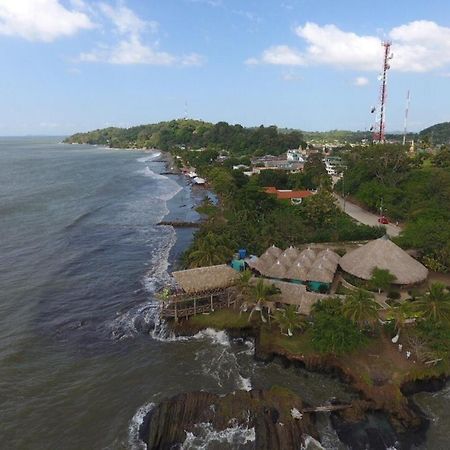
x=268, y=413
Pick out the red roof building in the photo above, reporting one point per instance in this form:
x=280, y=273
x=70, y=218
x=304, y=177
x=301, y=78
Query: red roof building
x=296, y=197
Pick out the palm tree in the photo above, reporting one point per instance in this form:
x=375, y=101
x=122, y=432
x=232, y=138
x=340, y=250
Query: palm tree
x=260, y=295
x=381, y=279
x=435, y=304
x=361, y=308
x=289, y=320
x=243, y=284
x=209, y=250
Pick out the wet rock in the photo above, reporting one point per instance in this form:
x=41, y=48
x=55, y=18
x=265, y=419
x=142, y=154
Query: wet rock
x=255, y=419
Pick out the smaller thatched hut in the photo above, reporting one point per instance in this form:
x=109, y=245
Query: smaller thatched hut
x=309, y=253
x=273, y=251
x=384, y=254
x=204, y=279
x=277, y=270
x=330, y=255
x=297, y=272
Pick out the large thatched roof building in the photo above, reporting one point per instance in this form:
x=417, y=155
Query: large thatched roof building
x=203, y=279
x=384, y=254
x=316, y=268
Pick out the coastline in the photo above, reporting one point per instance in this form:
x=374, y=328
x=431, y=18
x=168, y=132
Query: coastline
x=404, y=421
x=407, y=422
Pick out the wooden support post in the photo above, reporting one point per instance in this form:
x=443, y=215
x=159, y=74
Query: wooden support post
x=212, y=305
x=195, y=307
x=176, y=315
x=228, y=299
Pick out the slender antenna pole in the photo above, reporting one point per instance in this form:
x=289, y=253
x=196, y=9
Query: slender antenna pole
x=408, y=98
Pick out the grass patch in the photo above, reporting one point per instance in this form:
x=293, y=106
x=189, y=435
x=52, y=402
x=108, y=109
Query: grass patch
x=299, y=344
x=221, y=320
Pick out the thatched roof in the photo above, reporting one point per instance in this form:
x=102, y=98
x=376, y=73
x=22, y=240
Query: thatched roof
x=296, y=294
x=273, y=251
x=205, y=278
x=290, y=254
x=309, y=253
x=384, y=254
x=277, y=270
x=304, y=261
x=326, y=263
x=297, y=272
x=320, y=273
x=329, y=254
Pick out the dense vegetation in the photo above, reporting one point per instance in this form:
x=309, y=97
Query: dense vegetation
x=247, y=217
x=196, y=134
x=411, y=190
x=437, y=134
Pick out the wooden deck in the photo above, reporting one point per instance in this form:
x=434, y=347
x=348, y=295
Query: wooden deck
x=185, y=306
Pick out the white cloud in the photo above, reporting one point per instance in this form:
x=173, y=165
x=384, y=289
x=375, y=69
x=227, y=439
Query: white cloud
x=129, y=51
x=132, y=48
x=41, y=20
x=125, y=20
x=361, y=81
x=279, y=55
x=419, y=46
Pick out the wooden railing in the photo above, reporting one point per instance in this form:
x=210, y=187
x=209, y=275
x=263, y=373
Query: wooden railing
x=177, y=308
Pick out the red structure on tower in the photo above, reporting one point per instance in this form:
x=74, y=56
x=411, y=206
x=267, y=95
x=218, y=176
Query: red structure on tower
x=379, y=127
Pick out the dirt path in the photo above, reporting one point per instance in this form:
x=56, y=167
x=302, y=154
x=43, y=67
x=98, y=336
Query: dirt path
x=363, y=216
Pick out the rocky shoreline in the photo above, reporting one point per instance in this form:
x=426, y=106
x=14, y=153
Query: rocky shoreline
x=403, y=424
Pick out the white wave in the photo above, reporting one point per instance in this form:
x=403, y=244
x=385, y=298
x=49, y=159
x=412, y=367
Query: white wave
x=158, y=275
x=134, y=441
x=215, y=336
x=145, y=159
x=167, y=189
x=245, y=384
x=205, y=435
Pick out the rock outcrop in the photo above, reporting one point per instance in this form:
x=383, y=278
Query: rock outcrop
x=256, y=419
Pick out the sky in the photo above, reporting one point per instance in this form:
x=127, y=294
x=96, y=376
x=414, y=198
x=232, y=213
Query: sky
x=78, y=65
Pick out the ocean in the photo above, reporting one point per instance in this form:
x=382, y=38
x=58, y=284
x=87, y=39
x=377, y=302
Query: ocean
x=83, y=356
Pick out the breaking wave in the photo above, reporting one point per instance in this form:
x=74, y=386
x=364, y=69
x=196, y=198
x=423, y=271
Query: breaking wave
x=205, y=435
x=151, y=157
x=134, y=441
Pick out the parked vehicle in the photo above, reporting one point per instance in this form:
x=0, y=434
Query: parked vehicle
x=383, y=220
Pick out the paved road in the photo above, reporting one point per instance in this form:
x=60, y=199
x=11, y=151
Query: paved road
x=363, y=216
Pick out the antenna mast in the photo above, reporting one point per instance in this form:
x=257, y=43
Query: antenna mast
x=408, y=98
x=378, y=135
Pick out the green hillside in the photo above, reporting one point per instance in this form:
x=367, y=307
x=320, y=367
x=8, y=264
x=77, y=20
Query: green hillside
x=437, y=134
x=195, y=134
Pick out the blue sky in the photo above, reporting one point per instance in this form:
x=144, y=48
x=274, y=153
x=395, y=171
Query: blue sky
x=71, y=65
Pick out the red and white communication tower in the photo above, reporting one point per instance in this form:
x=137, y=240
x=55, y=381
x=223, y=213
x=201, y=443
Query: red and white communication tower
x=378, y=128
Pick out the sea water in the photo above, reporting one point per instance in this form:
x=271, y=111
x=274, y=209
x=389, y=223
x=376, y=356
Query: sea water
x=83, y=356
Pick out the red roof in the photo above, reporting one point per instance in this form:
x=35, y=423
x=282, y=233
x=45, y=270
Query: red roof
x=288, y=194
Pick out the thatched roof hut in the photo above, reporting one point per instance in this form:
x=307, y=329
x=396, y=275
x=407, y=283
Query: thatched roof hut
x=320, y=273
x=297, y=272
x=384, y=254
x=326, y=263
x=290, y=254
x=277, y=270
x=206, y=278
x=304, y=260
x=309, y=253
x=330, y=255
x=273, y=251
x=296, y=294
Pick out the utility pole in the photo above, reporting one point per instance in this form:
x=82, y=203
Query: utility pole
x=406, y=117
